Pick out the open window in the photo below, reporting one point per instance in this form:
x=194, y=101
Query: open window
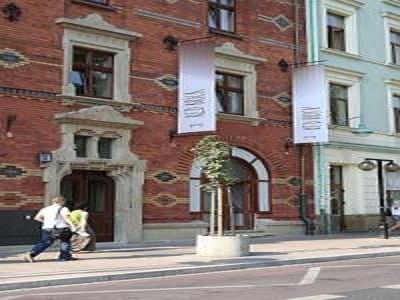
x=222, y=15
x=340, y=25
x=96, y=60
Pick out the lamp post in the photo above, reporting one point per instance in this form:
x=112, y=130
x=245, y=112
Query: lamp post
x=369, y=164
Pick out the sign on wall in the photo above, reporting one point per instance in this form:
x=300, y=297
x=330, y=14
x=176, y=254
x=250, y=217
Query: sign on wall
x=197, y=103
x=310, y=110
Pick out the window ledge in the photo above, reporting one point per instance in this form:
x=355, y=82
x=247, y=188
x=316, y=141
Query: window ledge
x=93, y=4
x=342, y=53
x=226, y=33
x=118, y=105
x=340, y=127
x=395, y=66
x=240, y=119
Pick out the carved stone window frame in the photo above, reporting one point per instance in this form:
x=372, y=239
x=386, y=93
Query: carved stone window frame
x=93, y=32
x=231, y=60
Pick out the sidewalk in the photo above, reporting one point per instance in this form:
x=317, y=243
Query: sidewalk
x=117, y=262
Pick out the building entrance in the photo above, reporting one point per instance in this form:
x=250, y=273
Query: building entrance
x=242, y=196
x=96, y=191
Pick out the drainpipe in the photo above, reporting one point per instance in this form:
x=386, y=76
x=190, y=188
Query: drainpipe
x=302, y=197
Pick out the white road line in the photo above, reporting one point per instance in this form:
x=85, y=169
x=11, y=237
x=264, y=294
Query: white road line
x=147, y=290
x=318, y=297
x=310, y=276
x=395, y=287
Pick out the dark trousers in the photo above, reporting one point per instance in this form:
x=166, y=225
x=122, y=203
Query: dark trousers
x=47, y=240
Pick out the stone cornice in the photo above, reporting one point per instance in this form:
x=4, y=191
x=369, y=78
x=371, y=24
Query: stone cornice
x=97, y=115
x=95, y=23
x=229, y=50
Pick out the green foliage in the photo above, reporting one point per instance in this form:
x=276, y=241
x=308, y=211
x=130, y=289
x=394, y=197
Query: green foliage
x=215, y=157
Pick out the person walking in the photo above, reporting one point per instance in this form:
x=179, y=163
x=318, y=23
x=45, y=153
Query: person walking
x=84, y=238
x=56, y=225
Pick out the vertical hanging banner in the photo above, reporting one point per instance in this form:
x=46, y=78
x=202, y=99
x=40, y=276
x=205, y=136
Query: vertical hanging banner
x=197, y=99
x=310, y=109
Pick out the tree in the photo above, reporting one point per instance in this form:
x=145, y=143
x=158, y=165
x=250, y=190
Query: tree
x=214, y=155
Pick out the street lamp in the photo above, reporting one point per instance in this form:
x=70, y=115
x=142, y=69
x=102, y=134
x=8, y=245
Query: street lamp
x=369, y=164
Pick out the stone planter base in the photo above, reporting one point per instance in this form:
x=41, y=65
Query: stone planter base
x=222, y=246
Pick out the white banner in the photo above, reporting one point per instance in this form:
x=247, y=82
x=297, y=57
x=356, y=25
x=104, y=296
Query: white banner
x=197, y=99
x=310, y=108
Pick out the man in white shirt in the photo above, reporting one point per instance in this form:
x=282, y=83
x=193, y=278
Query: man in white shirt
x=51, y=217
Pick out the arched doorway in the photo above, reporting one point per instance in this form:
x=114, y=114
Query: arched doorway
x=252, y=191
x=243, y=197
x=96, y=191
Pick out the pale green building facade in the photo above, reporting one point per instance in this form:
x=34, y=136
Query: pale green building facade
x=356, y=41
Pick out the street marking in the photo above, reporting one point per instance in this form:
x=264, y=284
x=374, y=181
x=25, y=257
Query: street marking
x=318, y=297
x=395, y=287
x=310, y=276
x=148, y=290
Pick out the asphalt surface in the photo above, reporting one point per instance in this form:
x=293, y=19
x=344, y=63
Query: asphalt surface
x=361, y=279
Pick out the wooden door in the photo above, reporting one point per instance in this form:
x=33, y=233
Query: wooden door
x=243, y=196
x=95, y=191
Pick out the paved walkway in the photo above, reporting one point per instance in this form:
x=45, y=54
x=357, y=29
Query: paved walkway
x=116, y=262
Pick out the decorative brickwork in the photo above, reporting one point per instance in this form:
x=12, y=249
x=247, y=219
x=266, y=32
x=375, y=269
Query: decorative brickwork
x=15, y=199
x=165, y=200
x=17, y=171
x=151, y=164
x=10, y=58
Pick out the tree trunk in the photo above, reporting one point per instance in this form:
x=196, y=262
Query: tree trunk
x=231, y=211
x=212, y=212
x=220, y=212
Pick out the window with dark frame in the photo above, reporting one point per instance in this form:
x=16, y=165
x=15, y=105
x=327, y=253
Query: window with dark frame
x=104, y=148
x=396, y=110
x=336, y=32
x=339, y=104
x=80, y=142
x=395, y=46
x=92, y=73
x=230, y=94
x=222, y=15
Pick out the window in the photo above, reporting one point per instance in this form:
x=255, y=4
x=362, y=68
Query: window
x=230, y=94
x=92, y=73
x=221, y=15
x=395, y=46
x=110, y=56
x=340, y=25
x=104, y=148
x=80, y=142
x=336, y=32
x=339, y=104
x=396, y=108
x=236, y=83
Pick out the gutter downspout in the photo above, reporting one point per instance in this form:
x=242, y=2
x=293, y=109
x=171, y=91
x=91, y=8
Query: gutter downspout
x=302, y=197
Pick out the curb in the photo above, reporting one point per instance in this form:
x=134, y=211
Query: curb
x=183, y=271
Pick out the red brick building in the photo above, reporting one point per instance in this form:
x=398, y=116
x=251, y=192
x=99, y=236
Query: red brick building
x=88, y=107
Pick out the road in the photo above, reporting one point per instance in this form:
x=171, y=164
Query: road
x=366, y=279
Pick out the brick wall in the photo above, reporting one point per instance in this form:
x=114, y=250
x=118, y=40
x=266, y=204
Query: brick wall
x=36, y=36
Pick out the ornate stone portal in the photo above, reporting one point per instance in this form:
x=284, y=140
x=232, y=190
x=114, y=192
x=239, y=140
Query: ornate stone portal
x=126, y=169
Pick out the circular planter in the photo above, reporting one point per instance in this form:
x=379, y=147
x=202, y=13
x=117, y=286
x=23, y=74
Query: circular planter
x=222, y=246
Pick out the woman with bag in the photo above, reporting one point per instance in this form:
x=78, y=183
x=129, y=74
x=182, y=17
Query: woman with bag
x=56, y=225
x=84, y=238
